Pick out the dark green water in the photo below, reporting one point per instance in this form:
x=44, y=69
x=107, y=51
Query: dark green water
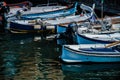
x=35, y=57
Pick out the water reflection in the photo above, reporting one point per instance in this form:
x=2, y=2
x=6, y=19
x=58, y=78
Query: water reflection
x=36, y=57
x=91, y=71
x=62, y=41
x=47, y=60
x=9, y=61
x=90, y=67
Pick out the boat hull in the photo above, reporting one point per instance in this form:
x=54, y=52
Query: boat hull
x=60, y=29
x=98, y=38
x=71, y=56
x=25, y=28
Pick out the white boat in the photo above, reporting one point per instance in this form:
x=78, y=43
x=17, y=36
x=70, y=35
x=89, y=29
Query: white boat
x=92, y=35
x=23, y=10
x=88, y=13
x=97, y=38
x=50, y=14
x=91, y=53
x=87, y=33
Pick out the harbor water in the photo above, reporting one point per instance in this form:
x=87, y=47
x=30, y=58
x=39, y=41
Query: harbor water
x=36, y=57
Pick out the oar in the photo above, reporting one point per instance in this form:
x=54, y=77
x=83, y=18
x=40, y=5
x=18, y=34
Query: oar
x=112, y=44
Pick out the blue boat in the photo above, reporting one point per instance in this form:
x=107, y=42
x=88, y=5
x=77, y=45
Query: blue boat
x=84, y=37
x=92, y=38
x=104, y=32
x=85, y=33
x=51, y=14
x=91, y=53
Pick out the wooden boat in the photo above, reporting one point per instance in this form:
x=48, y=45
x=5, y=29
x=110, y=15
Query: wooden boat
x=16, y=6
x=51, y=14
x=26, y=26
x=89, y=12
x=91, y=53
x=97, y=38
x=43, y=9
x=92, y=35
x=14, y=12
x=87, y=33
x=81, y=37
x=23, y=26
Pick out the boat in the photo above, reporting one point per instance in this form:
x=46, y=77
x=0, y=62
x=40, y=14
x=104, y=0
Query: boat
x=42, y=9
x=16, y=12
x=85, y=36
x=27, y=26
x=26, y=7
x=106, y=32
x=91, y=53
x=97, y=38
x=87, y=33
x=88, y=13
x=109, y=34
x=51, y=14
x=16, y=6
